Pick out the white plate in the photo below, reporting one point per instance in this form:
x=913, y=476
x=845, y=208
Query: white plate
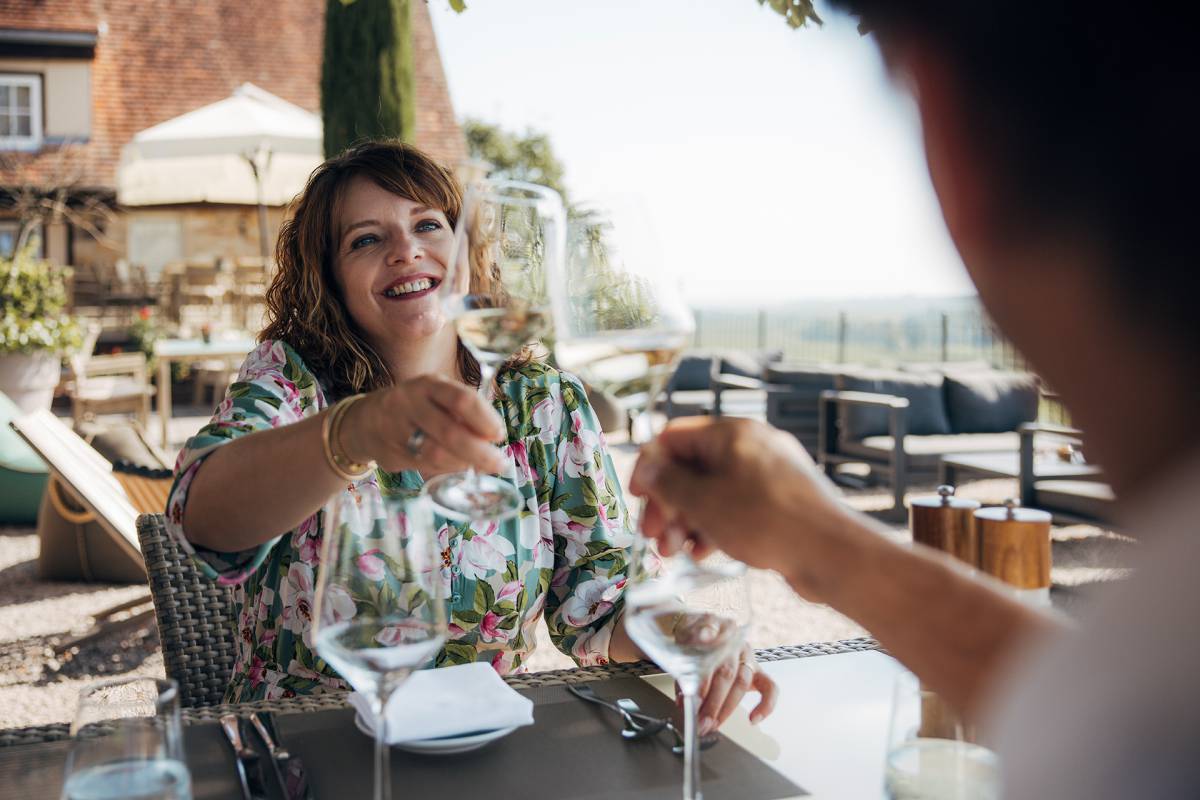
x=445, y=745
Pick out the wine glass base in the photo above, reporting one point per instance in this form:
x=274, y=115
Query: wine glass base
x=474, y=497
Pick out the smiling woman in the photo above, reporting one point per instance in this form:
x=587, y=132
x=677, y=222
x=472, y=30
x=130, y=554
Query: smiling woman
x=360, y=386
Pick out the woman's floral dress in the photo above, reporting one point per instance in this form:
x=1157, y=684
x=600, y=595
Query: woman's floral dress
x=565, y=557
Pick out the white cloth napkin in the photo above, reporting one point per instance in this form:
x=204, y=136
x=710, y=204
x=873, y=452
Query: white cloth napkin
x=451, y=701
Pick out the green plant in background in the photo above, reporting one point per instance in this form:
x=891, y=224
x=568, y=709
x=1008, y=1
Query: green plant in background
x=144, y=332
x=367, y=73
x=613, y=298
x=33, y=302
x=514, y=156
x=797, y=13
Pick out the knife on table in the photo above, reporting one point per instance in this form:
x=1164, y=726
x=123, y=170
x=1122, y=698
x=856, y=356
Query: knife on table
x=248, y=767
x=289, y=769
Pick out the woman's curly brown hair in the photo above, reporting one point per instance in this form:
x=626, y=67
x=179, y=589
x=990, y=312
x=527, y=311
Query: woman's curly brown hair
x=304, y=304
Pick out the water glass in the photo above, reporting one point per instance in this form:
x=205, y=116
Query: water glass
x=932, y=754
x=128, y=743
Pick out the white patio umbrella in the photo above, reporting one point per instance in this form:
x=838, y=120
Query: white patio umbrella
x=252, y=148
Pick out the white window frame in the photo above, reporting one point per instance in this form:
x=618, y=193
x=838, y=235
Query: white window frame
x=36, y=111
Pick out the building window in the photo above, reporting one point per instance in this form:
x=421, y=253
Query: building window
x=9, y=229
x=20, y=112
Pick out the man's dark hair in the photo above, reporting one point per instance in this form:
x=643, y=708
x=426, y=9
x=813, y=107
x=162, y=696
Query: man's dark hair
x=1089, y=110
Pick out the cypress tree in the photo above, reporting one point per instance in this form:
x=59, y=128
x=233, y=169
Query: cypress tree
x=367, y=72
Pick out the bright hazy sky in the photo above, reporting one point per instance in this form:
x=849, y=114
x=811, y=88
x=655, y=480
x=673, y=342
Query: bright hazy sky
x=775, y=164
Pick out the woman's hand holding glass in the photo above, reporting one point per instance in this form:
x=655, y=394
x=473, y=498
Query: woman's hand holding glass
x=459, y=428
x=724, y=688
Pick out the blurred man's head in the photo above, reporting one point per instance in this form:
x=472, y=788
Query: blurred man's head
x=1062, y=140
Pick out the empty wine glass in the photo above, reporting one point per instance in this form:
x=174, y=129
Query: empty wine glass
x=509, y=237
x=688, y=617
x=621, y=322
x=128, y=743
x=380, y=608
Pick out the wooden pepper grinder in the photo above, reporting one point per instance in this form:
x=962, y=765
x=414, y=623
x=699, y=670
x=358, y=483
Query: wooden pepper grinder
x=947, y=523
x=1014, y=546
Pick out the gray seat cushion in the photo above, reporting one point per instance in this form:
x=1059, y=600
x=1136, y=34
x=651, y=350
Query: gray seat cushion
x=926, y=413
x=800, y=377
x=692, y=374
x=990, y=402
x=1088, y=499
x=925, y=451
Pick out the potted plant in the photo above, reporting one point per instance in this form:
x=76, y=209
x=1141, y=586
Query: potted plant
x=35, y=331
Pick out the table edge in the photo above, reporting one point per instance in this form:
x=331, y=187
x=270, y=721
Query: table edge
x=334, y=700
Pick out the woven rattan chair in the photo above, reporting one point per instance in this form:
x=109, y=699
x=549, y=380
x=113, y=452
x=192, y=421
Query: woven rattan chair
x=196, y=621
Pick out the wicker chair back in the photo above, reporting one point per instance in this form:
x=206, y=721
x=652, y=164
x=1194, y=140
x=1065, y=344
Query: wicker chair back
x=197, y=624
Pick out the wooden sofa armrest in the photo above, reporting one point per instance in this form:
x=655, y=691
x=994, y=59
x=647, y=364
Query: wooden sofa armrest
x=1028, y=429
x=864, y=399
x=726, y=380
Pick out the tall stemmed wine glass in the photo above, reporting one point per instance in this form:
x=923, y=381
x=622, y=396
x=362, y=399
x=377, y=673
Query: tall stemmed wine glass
x=687, y=618
x=509, y=237
x=621, y=324
x=380, y=607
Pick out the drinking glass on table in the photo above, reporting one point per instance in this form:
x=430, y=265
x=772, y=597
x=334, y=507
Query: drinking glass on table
x=508, y=238
x=931, y=755
x=380, y=608
x=688, y=617
x=128, y=743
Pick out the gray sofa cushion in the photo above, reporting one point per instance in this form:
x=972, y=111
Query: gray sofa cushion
x=801, y=377
x=925, y=451
x=692, y=374
x=990, y=402
x=926, y=414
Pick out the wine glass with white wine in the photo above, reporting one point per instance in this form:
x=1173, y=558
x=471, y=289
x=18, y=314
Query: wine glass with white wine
x=621, y=324
x=380, y=607
x=508, y=239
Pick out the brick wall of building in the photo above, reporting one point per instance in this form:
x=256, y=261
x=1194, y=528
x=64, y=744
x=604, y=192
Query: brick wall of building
x=155, y=60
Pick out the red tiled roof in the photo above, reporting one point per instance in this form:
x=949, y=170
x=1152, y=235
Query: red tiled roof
x=157, y=60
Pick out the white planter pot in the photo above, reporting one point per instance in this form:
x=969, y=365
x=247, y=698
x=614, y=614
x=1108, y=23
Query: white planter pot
x=29, y=379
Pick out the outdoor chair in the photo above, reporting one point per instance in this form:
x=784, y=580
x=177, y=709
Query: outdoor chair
x=1070, y=501
x=718, y=383
x=196, y=621
x=86, y=521
x=901, y=424
x=108, y=384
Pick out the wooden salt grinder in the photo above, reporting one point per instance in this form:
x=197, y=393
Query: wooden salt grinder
x=1014, y=546
x=947, y=523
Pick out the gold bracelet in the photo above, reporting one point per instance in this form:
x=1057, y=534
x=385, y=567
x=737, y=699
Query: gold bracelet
x=331, y=426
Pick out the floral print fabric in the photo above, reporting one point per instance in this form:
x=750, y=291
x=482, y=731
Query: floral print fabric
x=565, y=557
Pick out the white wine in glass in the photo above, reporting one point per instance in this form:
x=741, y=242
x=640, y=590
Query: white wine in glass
x=687, y=618
x=376, y=628
x=508, y=239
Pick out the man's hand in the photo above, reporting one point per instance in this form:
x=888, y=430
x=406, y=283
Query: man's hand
x=744, y=487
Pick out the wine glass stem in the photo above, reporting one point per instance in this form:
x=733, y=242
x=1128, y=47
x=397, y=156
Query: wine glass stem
x=691, y=739
x=487, y=382
x=383, y=765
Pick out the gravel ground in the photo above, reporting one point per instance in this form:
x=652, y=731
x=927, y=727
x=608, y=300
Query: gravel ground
x=39, y=680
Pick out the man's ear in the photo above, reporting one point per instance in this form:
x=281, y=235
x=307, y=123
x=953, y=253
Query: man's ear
x=957, y=159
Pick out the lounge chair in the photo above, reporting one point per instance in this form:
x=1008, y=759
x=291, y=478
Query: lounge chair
x=84, y=489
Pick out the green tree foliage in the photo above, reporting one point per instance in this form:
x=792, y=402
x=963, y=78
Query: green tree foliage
x=367, y=72
x=522, y=157
x=797, y=13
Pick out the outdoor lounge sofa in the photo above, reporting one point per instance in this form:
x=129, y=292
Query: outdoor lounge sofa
x=1070, y=501
x=902, y=423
